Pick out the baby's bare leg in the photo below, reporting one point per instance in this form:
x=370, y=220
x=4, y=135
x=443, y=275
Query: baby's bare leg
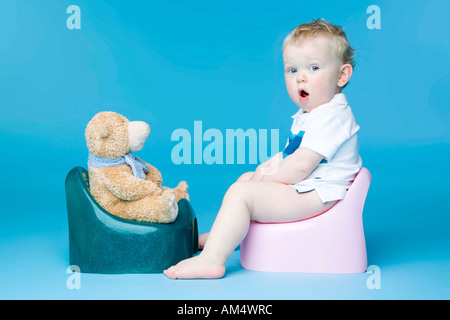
x=245, y=201
x=204, y=236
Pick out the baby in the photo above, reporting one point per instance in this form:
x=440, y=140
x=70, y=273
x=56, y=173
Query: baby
x=318, y=164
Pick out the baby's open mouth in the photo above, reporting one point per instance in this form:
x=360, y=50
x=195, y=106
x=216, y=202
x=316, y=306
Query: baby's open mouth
x=303, y=95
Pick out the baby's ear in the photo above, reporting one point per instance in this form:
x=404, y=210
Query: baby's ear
x=344, y=75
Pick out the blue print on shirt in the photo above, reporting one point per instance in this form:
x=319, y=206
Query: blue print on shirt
x=294, y=142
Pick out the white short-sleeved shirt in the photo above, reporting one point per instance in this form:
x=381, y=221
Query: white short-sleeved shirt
x=331, y=131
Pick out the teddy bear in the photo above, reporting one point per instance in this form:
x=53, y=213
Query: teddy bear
x=123, y=184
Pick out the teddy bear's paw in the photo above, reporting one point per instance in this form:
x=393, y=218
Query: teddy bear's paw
x=181, y=191
x=182, y=186
x=173, y=208
x=155, y=189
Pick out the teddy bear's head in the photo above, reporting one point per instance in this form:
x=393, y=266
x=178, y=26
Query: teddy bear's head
x=111, y=135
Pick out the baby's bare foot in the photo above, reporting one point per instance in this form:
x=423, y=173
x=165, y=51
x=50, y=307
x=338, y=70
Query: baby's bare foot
x=202, y=240
x=195, y=268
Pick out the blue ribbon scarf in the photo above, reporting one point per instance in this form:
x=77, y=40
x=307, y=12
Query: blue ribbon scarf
x=138, y=166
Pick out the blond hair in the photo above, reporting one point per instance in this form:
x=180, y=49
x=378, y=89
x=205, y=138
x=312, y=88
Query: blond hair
x=321, y=27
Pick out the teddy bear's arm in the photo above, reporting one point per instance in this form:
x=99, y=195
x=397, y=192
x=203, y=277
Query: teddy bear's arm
x=127, y=187
x=154, y=174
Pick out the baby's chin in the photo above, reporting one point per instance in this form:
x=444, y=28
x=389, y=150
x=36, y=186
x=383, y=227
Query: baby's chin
x=307, y=105
x=311, y=103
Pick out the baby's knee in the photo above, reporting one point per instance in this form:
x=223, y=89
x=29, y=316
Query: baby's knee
x=246, y=176
x=239, y=189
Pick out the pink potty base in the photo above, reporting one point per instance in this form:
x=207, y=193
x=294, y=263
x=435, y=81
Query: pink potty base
x=332, y=242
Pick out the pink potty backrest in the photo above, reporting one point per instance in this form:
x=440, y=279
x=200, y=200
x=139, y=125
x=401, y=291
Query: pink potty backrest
x=353, y=202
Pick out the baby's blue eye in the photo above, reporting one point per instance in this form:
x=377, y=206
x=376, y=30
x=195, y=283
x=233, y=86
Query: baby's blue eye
x=292, y=70
x=314, y=68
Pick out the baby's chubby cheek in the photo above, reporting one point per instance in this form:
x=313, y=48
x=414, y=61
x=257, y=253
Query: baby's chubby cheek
x=294, y=94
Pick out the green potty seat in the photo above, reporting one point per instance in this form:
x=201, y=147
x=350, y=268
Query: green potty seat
x=100, y=242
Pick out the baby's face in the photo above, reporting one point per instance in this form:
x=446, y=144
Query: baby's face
x=312, y=71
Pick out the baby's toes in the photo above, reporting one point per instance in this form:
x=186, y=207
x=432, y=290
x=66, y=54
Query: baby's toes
x=168, y=272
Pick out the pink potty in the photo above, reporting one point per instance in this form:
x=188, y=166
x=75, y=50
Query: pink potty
x=332, y=242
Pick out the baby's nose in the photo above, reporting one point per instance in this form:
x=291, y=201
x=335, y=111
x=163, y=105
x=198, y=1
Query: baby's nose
x=301, y=77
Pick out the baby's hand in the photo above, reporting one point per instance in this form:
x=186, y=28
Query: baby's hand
x=271, y=166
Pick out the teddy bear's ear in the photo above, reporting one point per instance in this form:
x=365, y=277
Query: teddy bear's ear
x=103, y=131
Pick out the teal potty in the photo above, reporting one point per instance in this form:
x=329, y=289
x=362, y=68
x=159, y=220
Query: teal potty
x=100, y=242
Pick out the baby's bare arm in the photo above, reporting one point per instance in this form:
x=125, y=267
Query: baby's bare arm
x=269, y=167
x=293, y=168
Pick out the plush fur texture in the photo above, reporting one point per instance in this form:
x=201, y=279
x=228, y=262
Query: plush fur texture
x=115, y=188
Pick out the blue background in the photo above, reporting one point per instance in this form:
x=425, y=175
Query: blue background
x=171, y=63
